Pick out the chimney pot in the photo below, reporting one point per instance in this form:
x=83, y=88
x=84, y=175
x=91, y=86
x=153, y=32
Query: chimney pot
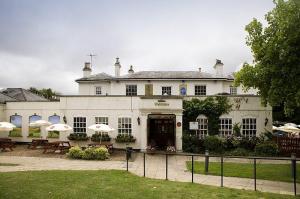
x=199, y=69
x=87, y=70
x=130, y=71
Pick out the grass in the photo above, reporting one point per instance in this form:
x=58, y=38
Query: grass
x=109, y=184
x=275, y=172
x=16, y=132
x=34, y=132
x=8, y=164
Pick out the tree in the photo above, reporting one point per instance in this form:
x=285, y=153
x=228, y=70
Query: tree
x=47, y=93
x=275, y=71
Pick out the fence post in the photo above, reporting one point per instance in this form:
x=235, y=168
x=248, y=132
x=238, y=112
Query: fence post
x=192, y=169
x=144, y=164
x=166, y=166
x=222, y=171
x=127, y=157
x=254, y=173
x=294, y=166
x=206, y=161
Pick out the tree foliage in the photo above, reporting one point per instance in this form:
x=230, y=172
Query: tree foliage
x=211, y=107
x=275, y=71
x=47, y=93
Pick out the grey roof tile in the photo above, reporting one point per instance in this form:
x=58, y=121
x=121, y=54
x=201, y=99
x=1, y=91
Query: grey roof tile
x=20, y=94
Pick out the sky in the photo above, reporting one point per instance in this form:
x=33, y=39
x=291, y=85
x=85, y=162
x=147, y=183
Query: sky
x=44, y=44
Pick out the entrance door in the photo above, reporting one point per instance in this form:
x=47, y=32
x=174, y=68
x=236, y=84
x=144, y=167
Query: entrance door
x=161, y=131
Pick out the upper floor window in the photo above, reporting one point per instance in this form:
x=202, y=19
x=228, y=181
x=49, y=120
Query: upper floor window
x=166, y=90
x=79, y=124
x=131, y=90
x=233, y=90
x=202, y=126
x=101, y=120
x=200, y=90
x=249, y=127
x=225, y=126
x=98, y=90
x=124, y=125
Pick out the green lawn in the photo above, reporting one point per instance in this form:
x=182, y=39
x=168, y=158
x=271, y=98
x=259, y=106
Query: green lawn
x=109, y=184
x=275, y=172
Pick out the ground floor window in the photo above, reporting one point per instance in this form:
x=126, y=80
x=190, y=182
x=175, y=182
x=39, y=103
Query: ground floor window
x=166, y=90
x=225, y=127
x=124, y=125
x=101, y=120
x=79, y=124
x=202, y=126
x=249, y=127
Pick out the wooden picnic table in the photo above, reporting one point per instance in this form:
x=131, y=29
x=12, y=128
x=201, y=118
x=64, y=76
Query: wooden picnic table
x=37, y=142
x=61, y=146
x=6, y=143
x=108, y=145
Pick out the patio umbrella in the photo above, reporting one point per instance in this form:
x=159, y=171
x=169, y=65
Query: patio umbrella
x=59, y=127
x=291, y=124
x=40, y=123
x=6, y=126
x=289, y=129
x=274, y=128
x=102, y=128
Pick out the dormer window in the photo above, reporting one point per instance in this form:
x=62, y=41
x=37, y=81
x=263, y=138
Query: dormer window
x=98, y=90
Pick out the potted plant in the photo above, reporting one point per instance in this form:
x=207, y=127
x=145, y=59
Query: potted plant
x=78, y=138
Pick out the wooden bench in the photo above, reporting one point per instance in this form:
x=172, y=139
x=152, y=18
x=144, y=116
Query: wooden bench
x=6, y=143
x=108, y=145
x=52, y=147
x=37, y=142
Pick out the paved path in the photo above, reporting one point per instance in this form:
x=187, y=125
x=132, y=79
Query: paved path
x=155, y=168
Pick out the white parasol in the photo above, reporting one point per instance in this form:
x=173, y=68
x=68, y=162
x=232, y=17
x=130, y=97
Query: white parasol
x=59, y=127
x=6, y=126
x=102, y=128
x=40, y=123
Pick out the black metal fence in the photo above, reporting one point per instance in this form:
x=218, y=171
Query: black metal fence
x=292, y=159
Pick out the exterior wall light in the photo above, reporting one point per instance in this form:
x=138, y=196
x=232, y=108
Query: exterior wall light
x=65, y=119
x=139, y=120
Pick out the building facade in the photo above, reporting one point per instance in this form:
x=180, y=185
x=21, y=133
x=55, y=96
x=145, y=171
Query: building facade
x=147, y=105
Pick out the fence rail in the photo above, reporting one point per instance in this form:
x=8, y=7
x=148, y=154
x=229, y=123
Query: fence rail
x=292, y=159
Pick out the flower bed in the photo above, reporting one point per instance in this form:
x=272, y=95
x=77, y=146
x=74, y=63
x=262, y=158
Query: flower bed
x=125, y=138
x=78, y=137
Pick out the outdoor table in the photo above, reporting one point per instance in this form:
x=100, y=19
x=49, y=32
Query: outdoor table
x=6, y=143
x=61, y=146
x=37, y=142
x=108, y=145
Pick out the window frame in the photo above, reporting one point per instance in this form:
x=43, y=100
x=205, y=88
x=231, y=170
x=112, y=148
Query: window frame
x=202, y=126
x=101, y=120
x=97, y=90
x=200, y=91
x=248, y=129
x=233, y=90
x=79, y=124
x=131, y=91
x=122, y=128
x=168, y=91
x=225, y=128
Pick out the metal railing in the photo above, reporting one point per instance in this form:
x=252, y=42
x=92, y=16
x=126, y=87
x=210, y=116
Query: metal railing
x=293, y=160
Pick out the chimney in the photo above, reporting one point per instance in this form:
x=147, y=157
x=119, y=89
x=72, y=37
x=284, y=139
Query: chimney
x=219, y=68
x=199, y=69
x=130, y=71
x=87, y=70
x=117, y=67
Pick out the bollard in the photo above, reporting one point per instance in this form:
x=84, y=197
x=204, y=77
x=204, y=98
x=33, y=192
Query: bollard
x=206, y=161
x=144, y=164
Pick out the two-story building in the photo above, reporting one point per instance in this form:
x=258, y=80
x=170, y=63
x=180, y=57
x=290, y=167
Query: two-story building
x=146, y=104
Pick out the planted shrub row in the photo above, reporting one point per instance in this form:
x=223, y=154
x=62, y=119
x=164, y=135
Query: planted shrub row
x=91, y=153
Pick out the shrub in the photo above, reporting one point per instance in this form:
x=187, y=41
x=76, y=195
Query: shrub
x=192, y=144
x=75, y=153
x=248, y=143
x=92, y=153
x=53, y=134
x=239, y=152
x=124, y=138
x=213, y=144
x=97, y=136
x=266, y=149
x=236, y=129
x=230, y=143
x=78, y=136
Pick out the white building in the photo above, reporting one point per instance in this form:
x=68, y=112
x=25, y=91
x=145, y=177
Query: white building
x=146, y=104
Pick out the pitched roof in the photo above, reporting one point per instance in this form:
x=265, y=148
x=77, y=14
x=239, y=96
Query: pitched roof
x=4, y=98
x=20, y=94
x=156, y=75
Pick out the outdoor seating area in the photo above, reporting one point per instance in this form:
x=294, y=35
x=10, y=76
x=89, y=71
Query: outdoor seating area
x=6, y=143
